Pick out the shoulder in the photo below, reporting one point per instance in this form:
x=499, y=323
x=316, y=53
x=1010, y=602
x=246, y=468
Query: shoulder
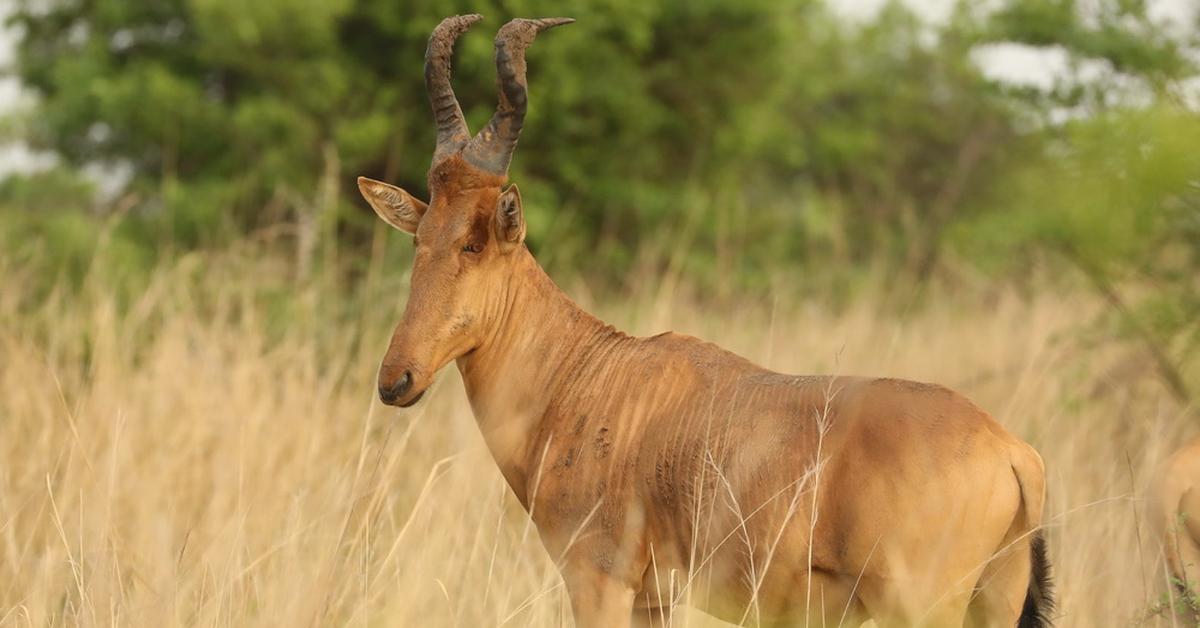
x=690, y=347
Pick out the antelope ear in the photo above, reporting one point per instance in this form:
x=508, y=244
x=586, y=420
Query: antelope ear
x=395, y=206
x=510, y=218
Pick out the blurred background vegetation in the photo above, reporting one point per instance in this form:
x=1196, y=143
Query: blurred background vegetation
x=743, y=146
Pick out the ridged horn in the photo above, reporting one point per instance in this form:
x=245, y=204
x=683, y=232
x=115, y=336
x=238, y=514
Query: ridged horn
x=492, y=149
x=452, y=130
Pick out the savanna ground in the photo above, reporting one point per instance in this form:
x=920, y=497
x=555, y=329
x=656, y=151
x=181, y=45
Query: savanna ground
x=208, y=449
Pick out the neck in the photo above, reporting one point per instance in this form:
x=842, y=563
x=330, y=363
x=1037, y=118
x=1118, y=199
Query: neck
x=537, y=350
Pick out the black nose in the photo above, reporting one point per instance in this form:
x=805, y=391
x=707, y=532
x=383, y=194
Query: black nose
x=389, y=394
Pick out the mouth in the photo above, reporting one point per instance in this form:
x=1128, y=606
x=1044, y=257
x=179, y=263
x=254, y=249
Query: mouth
x=413, y=401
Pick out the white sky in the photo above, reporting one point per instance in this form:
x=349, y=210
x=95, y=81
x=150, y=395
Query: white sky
x=1012, y=63
x=12, y=156
x=1178, y=10
x=1016, y=63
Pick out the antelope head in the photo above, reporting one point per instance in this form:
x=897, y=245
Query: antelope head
x=469, y=234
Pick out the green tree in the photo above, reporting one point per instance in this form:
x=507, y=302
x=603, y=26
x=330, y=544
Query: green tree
x=1114, y=189
x=233, y=115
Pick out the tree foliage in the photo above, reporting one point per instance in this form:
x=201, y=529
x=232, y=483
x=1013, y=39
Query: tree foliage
x=763, y=123
x=722, y=137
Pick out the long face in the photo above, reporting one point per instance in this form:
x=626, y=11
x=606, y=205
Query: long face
x=465, y=243
x=468, y=236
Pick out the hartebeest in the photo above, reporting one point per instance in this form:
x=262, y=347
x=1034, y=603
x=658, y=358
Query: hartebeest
x=665, y=469
x=1175, y=513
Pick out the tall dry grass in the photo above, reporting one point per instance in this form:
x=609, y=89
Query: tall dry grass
x=208, y=451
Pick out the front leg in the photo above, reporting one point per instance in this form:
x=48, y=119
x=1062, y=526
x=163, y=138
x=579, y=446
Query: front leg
x=598, y=599
x=597, y=536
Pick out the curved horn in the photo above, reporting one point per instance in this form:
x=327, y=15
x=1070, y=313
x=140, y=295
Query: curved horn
x=492, y=149
x=452, y=130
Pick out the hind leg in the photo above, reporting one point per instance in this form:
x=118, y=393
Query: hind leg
x=1000, y=593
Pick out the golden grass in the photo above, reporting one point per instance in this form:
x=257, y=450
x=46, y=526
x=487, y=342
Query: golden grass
x=210, y=452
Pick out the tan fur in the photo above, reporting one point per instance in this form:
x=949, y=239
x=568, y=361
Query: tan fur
x=1175, y=513
x=667, y=470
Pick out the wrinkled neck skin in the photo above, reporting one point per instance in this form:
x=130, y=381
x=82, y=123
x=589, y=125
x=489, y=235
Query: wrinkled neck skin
x=538, y=343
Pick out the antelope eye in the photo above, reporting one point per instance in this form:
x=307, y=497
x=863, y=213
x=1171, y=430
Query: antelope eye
x=472, y=248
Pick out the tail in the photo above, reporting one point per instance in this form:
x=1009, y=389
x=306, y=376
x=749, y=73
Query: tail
x=1039, y=598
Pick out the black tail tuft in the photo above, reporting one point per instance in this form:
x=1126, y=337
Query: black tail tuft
x=1039, y=600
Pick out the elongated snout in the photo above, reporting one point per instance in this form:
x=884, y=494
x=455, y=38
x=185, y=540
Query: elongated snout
x=431, y=334
x=390, y=392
